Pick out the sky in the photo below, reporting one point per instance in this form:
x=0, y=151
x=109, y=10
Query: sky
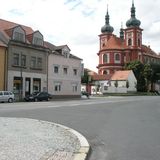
x=78, y=23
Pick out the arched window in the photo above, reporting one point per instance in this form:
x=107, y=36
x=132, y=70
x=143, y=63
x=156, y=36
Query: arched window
x=105, y=58
x=139, y=42
x=117, y=58
x=129, y=42
x=105, y=72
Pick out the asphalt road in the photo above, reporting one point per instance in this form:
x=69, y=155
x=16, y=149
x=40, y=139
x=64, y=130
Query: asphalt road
x=117, y=128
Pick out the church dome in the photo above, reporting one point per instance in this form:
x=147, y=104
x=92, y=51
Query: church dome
x=107, y=28
x=133, y=21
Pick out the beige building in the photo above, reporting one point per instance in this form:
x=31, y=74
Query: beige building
x=64, y=72
x=23, y=59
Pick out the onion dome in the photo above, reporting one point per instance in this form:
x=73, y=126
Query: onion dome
x=107, y=28
x=133, y=22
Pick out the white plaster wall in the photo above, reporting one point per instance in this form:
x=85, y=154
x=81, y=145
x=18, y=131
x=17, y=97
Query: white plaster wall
x=66, y=80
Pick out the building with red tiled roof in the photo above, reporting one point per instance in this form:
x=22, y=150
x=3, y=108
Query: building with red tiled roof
x=29, y=64
x=23, y=59
x=120, y=75
x=122, y=82
x=116, y=51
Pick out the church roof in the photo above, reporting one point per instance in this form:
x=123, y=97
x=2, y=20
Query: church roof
x=146, y=50
x=115, y=43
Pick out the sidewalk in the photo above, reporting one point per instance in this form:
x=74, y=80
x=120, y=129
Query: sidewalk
x=30, y=139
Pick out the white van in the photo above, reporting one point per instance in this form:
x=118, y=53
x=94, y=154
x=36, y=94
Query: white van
x=6, y=96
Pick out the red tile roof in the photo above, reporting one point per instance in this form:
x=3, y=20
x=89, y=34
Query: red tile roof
x=115, y=43
x=101, y=77
x=5, y=25
x=121, y=75
x=149, y=52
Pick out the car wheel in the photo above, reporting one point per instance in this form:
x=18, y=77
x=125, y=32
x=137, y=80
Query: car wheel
x=10, y=100
x=36, y=99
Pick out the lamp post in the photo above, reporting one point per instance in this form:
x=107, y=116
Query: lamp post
x=21, y=77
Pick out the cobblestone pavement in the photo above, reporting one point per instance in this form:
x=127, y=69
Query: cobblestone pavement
x=31, y=139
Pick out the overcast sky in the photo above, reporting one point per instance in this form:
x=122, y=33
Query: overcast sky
x=78, y=23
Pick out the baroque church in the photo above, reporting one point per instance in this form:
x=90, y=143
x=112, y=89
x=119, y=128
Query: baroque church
x=116, y=51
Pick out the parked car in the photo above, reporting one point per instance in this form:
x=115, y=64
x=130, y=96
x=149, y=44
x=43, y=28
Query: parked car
x=38, y=96
x=7, y=96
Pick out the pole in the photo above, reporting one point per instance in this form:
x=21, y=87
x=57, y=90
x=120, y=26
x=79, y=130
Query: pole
x=21, y=76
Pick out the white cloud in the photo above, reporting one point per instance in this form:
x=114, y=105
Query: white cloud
x=78, y=23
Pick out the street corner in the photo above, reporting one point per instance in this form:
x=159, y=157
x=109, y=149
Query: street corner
x=23, y=138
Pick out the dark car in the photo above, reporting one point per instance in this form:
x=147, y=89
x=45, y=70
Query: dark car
x=84, y=93
x=38, y=96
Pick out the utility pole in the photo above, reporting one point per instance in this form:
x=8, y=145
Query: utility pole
x=21, y=78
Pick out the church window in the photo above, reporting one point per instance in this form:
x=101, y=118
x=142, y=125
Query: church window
x=117, y=58
x=105, y=72
x=129, y=42
x=105, y=58
x=139, y=42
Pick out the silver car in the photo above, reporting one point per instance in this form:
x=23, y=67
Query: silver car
x=6, y=96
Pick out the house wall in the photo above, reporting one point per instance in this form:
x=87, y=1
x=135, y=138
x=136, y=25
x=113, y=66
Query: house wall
x=122, y=85
x=67, y=81
x=26, y=72
x=132, y=82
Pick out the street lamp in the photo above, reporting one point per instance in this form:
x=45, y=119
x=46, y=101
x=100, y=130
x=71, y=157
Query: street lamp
x=21, y=77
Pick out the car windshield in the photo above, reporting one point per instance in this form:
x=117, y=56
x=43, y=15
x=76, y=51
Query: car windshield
x=34, y=93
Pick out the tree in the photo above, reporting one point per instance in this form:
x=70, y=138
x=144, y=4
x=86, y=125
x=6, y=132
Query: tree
x=85, y=77
x=143, y=74
x=116, y=83
x=127, y=84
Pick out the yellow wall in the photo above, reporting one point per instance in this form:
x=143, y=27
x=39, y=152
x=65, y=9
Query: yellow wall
x=2, y=67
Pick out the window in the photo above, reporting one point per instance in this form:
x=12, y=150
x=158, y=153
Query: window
x=39, y=62
x=105, y=58
x=105, y=72
x=65, y=70
x=56, y=68
x=117, y=58
x=74, y=88
x=33, y=62
x=139, y=42
x=16, y=59
x=129, y=42
x=38, y=41
x=75, y=72
x=19, y=36
x=57, y=87
x=23, y=60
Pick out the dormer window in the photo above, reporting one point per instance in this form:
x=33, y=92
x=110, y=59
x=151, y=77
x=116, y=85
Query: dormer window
x=37, y=38
x=37, y=41
x=65, y=52
x=19, y=34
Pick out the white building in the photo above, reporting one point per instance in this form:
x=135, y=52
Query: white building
x=123, y=82
x=64, y=72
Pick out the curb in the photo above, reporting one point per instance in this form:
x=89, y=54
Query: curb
x=80, y=153
x=84, y=150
